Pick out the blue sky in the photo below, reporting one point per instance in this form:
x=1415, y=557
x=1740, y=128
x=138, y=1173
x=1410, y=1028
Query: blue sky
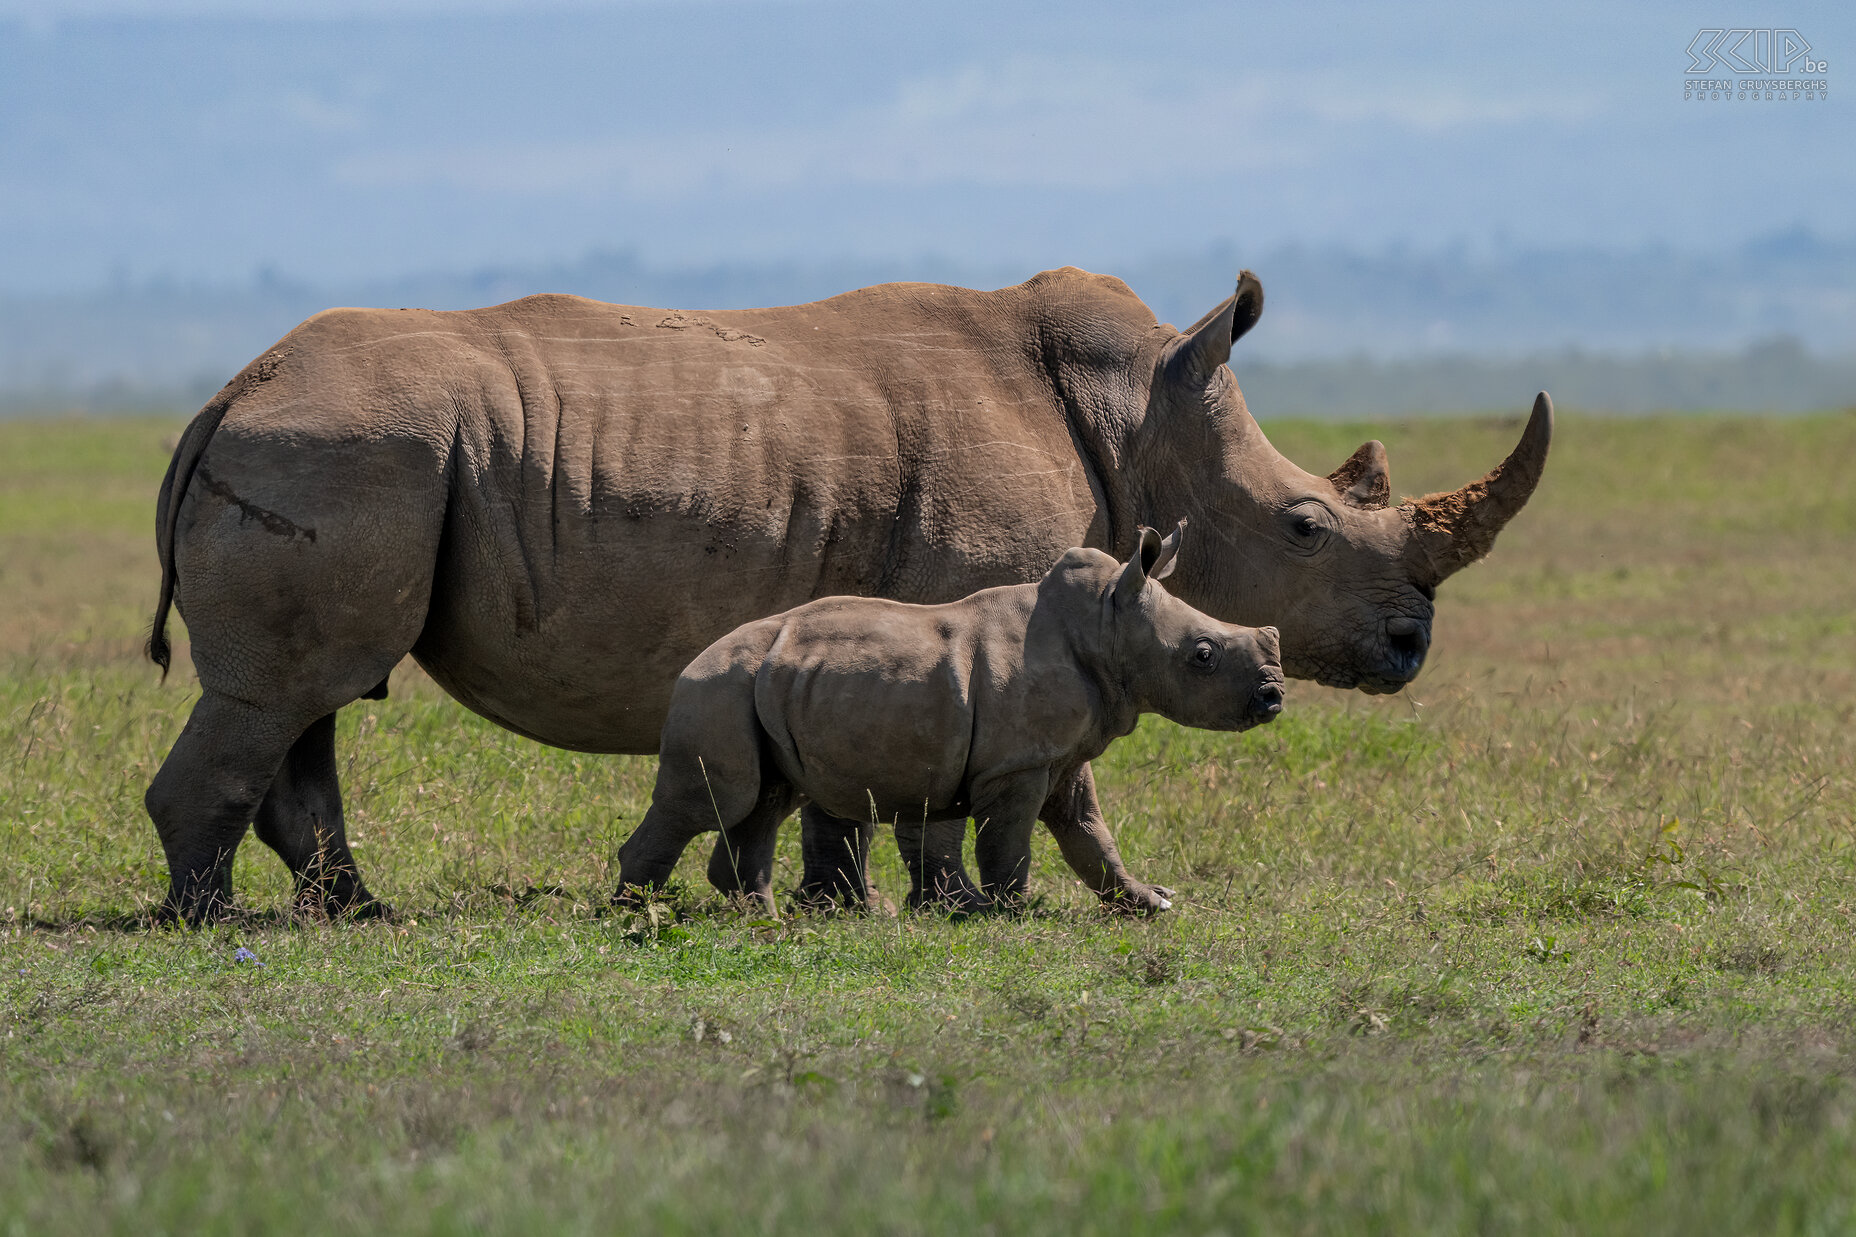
x=342, y=141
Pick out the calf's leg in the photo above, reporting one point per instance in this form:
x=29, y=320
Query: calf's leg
x=690, y=798
x=837, y=859
x=650, y=854
x=742, y=862
x=709, y=777
x=1074, y=818
x=931, y=851
x=1005, y=814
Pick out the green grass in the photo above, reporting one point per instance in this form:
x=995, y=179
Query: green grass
x=1563, y=939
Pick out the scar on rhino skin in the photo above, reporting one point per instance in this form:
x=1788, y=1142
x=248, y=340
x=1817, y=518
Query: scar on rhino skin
x=680, y=321
x=269, y=520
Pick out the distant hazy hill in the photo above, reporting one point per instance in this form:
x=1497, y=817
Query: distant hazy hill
x=1770, y=325
x=1773, y=376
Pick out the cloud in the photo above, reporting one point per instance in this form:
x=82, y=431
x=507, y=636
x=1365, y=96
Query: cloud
x=45, y=12
x=1076, y=123
x=321, y=114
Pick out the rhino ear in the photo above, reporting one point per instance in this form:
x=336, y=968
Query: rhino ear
x=1246, y=304
x=1168, y=558
x=1133, y=576
x=1196, y=355
x=1365, y=480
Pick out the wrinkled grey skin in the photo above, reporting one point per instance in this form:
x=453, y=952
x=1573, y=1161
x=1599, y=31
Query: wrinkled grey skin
x=926, y=715
x=554, y=504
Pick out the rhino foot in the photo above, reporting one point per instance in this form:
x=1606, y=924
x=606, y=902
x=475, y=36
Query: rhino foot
x=629, y=897
x=202, y=909
x=845, y=895
x=168, y=915
x=824, y=900
x=316, y=906
x=836, y=850
x=1009, y=902
x=1135, y=898
x=954, y=896
x=951, y=907
x=371, y=908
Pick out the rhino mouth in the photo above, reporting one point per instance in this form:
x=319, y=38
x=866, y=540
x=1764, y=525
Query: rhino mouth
x=1380, y=684
x=1378, y=667
x=1265, y=703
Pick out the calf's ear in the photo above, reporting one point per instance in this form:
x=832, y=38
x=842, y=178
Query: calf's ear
x=1133, y=576
x=1168, y=558
x=1195, y=356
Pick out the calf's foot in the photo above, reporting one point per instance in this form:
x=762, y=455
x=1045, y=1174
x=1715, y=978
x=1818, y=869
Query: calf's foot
x=951, y=892
x=837, y=862
x=931, y=851
x=1074, y=818
x=742, y=862
x=1135, y=898
x=196, y=900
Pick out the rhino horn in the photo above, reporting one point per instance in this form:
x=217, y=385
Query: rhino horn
x=1365, y=480
x=1457, y=528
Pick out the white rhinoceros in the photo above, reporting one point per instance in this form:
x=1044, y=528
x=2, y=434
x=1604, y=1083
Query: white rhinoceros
x=929, y=715
x=554, y=504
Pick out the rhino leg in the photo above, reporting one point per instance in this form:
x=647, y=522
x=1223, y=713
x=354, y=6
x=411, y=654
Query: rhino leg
x=301, y=819
x=1074, y=818
x=1006, y=814
x=931, y=851
x=837, y=858
x=206, y=793
x=742, y=863
x=709, y=777
x=303, y=557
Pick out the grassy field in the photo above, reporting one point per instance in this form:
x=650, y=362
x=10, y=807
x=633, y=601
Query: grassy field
x=1562, y=939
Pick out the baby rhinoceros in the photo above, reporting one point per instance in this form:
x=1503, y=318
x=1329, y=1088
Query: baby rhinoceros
x=929, y=715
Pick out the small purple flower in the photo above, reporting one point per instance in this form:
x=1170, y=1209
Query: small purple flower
x=245, y=955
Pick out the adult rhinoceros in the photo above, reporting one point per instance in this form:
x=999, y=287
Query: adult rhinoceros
x=554, y=504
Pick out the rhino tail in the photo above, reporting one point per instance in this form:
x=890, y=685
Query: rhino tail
x=186, y=461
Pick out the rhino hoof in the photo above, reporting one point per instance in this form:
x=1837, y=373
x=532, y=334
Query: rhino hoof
x=630, y=898
x=319, y=905
x=839, y=895
x=1135, y=899
x=365, y=908
x=633, y=897
x=953, y=903
x=199, y=912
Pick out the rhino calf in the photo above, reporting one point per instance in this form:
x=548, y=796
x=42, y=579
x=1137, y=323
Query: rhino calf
x=929, y=715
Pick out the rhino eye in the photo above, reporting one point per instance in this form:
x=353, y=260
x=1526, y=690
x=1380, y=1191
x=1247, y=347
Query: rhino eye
x=1307, y=524
x=1205, y=655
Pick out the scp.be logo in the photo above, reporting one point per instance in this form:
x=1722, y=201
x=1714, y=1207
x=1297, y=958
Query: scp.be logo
x=1742, y=50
